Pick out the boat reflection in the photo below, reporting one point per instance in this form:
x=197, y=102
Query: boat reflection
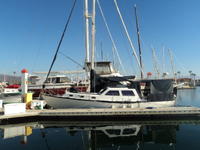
x=94, y=136
x=136, y=136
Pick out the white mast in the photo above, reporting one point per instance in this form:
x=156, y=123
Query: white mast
x=87, y=32
x=93, y=34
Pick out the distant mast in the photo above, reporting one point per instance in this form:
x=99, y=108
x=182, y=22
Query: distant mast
x=139, y=44
x=172, y=63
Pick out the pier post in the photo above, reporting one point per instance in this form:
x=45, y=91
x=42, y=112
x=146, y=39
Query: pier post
x=24, y=81
x=26, y=97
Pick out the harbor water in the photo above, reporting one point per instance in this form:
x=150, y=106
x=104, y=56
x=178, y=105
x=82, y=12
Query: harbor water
x=170, y=134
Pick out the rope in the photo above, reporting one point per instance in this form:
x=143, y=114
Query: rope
x=63, y=34
x=71, y=59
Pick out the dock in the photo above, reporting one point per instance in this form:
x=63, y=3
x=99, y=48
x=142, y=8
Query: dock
x=103, y=114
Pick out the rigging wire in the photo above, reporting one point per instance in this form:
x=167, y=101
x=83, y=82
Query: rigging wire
x=128, y=36
x=61, y=39
x=110, y=36
x=183, y=66
x=74, y=61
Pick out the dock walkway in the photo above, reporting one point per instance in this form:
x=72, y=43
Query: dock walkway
x=107, y=113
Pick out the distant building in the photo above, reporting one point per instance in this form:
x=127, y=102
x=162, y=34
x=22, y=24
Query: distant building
x=11, y=79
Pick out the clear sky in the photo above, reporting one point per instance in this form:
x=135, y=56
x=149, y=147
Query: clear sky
x=30, y=31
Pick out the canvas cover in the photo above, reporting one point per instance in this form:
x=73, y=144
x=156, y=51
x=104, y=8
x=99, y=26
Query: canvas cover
x=161, y=90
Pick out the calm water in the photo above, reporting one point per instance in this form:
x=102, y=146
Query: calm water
x=140, y=135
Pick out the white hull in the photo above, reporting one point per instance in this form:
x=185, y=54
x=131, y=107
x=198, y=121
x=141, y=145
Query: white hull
x=61, y=102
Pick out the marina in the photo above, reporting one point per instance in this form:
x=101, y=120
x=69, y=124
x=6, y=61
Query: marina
x=113, y=128
x=99, y=75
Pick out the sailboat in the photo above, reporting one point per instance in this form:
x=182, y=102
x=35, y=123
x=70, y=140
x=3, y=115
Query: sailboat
x=113, y=91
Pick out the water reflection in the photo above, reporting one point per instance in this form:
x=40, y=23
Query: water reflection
x=135, y=136
x=70, y=135
x=189, y=97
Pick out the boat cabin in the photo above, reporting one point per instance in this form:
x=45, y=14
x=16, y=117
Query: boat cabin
x=34, y=79
x=108, y=94
x=118, y=92
x=57, y=79
x=101, y=67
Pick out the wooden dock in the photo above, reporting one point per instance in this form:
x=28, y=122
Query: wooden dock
x=105, y=114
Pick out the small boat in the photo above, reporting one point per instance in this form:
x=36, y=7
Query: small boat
x=55, y=84
x=10, y=95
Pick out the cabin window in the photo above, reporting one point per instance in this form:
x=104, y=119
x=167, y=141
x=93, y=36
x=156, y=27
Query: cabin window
x=113, y=93
x=113, y=131
x=128, y=93
x=64, y=80
x=129, y=131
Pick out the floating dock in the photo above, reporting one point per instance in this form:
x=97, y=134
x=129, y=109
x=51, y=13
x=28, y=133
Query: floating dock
x=104, y=114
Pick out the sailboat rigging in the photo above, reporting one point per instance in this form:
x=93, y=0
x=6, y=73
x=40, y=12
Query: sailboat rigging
x=139, y=43
x=61, y=39
x=114, y=91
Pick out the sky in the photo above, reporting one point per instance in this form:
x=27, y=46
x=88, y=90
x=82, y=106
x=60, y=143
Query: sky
x=31, y=29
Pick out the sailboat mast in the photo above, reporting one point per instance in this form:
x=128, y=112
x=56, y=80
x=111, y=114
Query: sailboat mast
x=93, y=33
x=87, y=47
x=139, y=45
x=92, y=72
